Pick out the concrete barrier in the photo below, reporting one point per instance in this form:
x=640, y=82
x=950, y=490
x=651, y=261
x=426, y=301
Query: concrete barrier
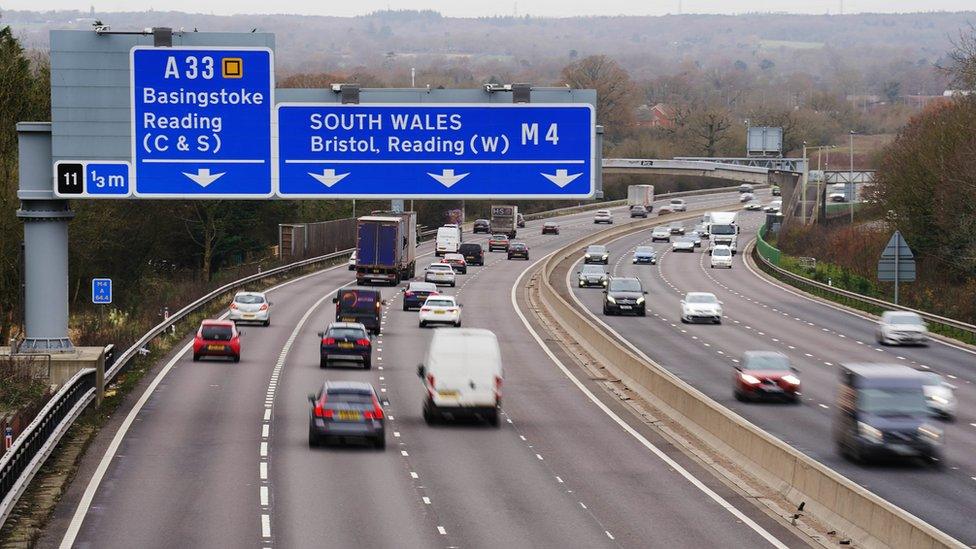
x=830, y=497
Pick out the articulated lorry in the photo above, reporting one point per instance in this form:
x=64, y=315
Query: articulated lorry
x=640, y=195
x=723, y=227
x=504, y=220
x=386, y=247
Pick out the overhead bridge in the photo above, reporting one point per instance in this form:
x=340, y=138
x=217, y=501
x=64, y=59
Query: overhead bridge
x=702, y=168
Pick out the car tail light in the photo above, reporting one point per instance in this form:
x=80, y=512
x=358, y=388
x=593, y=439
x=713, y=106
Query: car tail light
x=328, y=341
x=376, y=412
x=322, y=411
x=408, y=293
x=233, y=305
x=264, y=307
x=430, y=379
x=362, y=342
x=425, y=309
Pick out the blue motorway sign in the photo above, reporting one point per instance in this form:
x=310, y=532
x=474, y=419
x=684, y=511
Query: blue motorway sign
x=90, y=179
x=202, y=122
x=436, y=150
x=101, y=291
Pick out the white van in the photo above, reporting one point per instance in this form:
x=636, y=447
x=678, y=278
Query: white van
x=448, y=240
x=462, y=375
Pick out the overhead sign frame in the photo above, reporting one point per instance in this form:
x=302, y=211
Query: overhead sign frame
x=270, y=154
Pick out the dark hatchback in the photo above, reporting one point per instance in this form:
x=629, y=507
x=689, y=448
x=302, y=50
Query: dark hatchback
x=345, y=341
x=518, y=249
x=473, y=253
x=550, y=227
x=416, y=293
x=346, y=410
x=358, y=305
x=624, y=296
x=481, y=226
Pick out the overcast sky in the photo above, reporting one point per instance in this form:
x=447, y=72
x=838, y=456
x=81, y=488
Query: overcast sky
x=468, y=8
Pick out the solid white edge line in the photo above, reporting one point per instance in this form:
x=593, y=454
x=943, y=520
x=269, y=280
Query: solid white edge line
x=862, y=316
x=86, y=499
x=626, y=427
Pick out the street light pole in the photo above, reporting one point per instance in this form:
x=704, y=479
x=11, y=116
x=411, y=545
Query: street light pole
x=850, y=180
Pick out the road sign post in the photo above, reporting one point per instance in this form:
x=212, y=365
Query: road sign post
x=897, y=263
x=8, y=437
x=202, y=122
x=439, y=151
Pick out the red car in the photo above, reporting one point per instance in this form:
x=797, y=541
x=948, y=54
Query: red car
x=217, y=338
x=766, y=375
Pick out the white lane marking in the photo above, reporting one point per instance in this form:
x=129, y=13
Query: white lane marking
x=414, y=475
x=972, y=424
x=264, y=496
x=583, y=505
x=426, y=500
x=265, y=430
x=264, y=449
x=86, y=499
x=522, y=437
x=824, y=406
x=265, y=526
x=630, y=430
x=609, y=535
x=404, y=453
x=263, y=470
x=539, y=456
x=560, y=481
x=441, y=530
x=396, y=434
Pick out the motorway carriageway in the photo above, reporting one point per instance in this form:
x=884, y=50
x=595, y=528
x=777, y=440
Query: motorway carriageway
x=760, y=315
x=217, y=454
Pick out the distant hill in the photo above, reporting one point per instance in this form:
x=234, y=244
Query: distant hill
x=537, y=48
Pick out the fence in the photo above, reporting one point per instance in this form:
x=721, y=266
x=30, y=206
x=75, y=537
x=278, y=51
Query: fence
x=302, y=240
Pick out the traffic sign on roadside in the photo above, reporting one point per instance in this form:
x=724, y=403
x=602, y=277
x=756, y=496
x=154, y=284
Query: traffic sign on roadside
x=202, y=122
x=85, y=179
x=897, y=263
x=102, y=291
x=470, y=151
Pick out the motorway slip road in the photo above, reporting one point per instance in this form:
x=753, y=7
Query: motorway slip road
x=760, y=315
x=217, y=454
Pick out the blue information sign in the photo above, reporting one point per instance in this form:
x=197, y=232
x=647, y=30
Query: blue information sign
x=89, y=179
x=201, y=122
x=436, y=150
x=102, y=291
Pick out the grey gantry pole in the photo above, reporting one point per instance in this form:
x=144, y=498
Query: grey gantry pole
x=45, y=244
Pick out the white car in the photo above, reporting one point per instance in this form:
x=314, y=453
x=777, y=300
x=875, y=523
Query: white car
x=678, y=205
x=754, y=206
x=352, y=261
x=837, y=197
x=939, y=396
x=683, y=244
x=440, y=309
x=603, y=216
x=721, y=256
x=661, y=233
x=701, y=307
x=774, y=206
x=440, y=273
x=746, y=197
x=250, y=307
x=902, y=328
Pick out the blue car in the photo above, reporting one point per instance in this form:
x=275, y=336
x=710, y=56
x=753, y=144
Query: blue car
x=416, y=293
x=645, y=255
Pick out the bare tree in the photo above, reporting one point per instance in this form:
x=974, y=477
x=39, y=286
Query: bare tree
x=617, y=96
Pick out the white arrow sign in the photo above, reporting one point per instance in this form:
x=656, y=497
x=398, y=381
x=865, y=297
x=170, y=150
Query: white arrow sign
x=328, y=177
x=447, y=177
x=562, y=177
x=203, y=177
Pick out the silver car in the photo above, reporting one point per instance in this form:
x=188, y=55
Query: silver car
x=683, y=244
x=250, y=307
x=661, y=233
x=678, y=205
x=940, y=396
x=902, y=328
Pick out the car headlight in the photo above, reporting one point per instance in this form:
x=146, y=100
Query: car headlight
x=611, y=299
x=930, y=432
x=940, y=399
x=869, y=432
x=791, y=379
x=605, y=256
x=587, y=256
x=718, y=312
x=640, y=300
x=750, y=379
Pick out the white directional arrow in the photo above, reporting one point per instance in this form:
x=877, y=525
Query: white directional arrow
x=203, y=177
x=447, y=177
x=561, y=177
x=328, y=177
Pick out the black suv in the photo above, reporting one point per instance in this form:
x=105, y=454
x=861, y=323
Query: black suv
x=624, y=295
x=481, y=226
x=473, y=253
